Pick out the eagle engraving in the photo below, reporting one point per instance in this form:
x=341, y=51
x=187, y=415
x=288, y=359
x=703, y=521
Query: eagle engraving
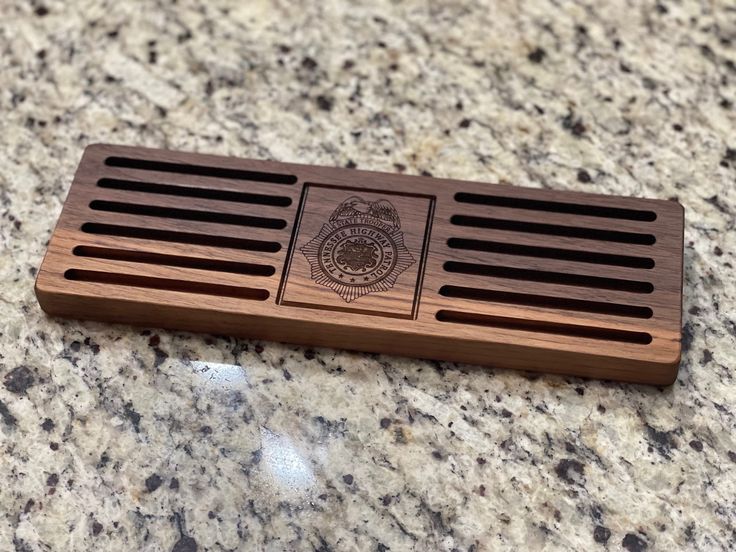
x=356, y=206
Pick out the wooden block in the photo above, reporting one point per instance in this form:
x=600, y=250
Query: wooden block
x=502, y=276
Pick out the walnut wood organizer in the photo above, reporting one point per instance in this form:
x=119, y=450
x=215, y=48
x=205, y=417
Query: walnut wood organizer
x=496, y=275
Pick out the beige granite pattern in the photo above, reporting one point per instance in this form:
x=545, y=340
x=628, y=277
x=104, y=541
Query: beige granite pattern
x=116, y=438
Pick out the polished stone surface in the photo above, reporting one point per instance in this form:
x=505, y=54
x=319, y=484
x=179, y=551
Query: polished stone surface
x=115, y=438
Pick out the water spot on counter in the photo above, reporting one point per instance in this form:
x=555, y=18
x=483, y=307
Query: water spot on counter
x=19, y=380
x=285, y=463
x=221, y=375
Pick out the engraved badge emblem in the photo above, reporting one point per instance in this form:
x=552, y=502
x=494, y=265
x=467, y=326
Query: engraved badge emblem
x=360, y=250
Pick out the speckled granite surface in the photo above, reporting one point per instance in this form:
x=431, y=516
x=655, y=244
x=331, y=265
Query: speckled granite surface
x=114, y=438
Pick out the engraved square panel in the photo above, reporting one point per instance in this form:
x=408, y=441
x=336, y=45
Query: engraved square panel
x=358, y=251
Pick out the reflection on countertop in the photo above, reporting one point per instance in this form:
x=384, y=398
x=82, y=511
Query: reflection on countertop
x=119, y=438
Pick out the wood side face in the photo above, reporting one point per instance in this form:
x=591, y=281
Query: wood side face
x=495, y=275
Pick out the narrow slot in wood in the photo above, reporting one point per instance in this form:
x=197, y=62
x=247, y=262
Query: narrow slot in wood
x=173, y=260
x=544, y=301
x=592, y=257
x=556, y=207
x=199, y=170
x=149, y=282
x=554, y=229
x=180, y=237
x=548, y=277
x=567, y=330
x=187, y=191
x=187, y=214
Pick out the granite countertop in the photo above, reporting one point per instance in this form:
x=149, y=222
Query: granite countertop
x=120, y=438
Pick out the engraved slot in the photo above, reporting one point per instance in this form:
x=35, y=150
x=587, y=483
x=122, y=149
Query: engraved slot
x=180, y=237
x=148, y=282
x=532, y=300
x=538, y=326
x=548, y=277
x=553, y=229
x=187, y=214
x=556, y=207
x=199, y=170
x=173, y=260
x=591, y=257
x=187, y=191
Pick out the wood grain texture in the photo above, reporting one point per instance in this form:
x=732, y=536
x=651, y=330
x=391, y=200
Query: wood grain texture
x=502, y=276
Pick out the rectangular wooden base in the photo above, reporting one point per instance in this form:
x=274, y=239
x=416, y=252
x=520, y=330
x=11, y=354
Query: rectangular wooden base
x=559, y=282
